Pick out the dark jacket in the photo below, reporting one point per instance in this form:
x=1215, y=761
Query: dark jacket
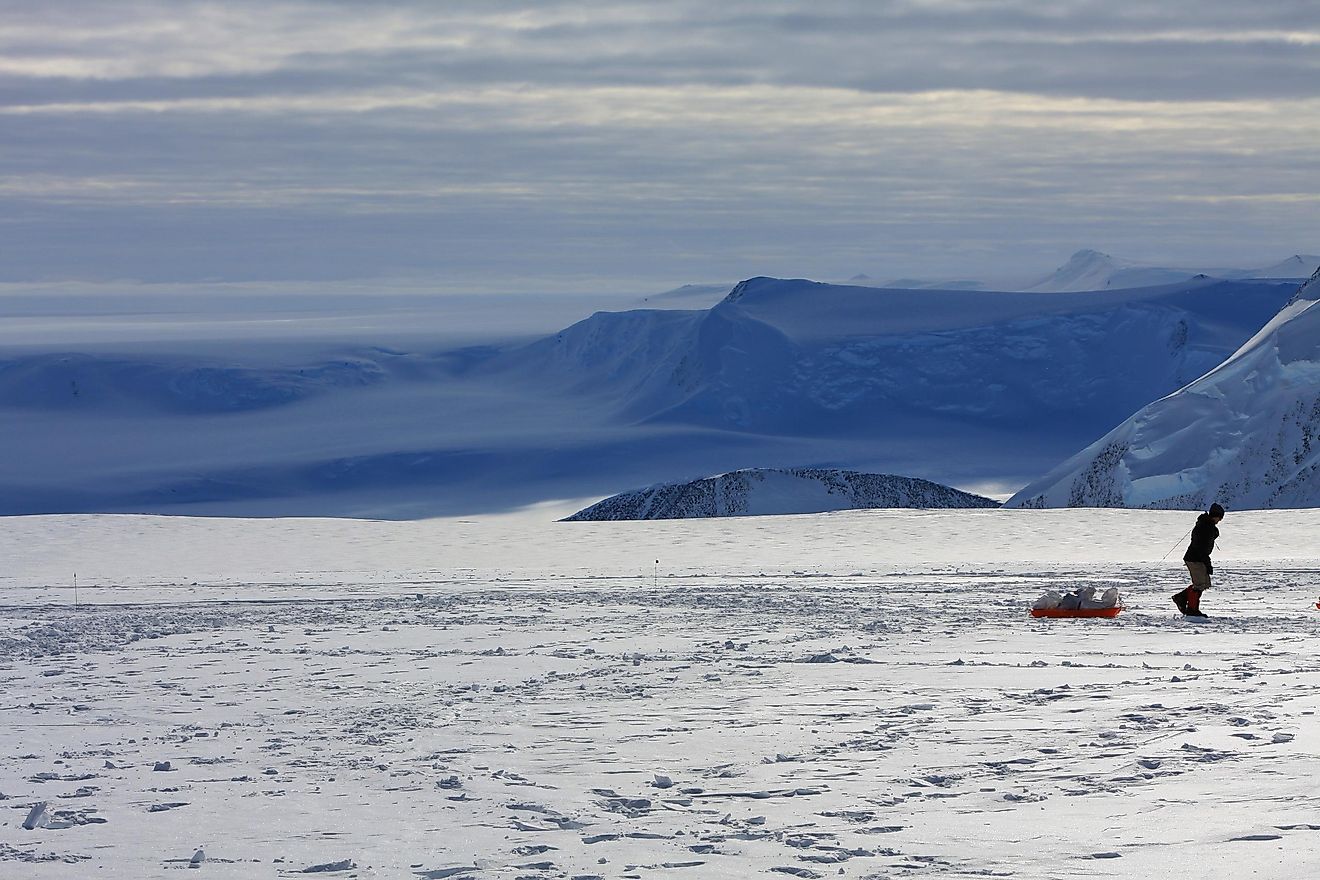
x=1203, y=541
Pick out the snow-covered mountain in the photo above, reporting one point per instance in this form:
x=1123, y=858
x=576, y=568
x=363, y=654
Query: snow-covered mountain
x=1093, y=270
x=364, y=408
x=1296, y=266
x=796, y=357
x=775, y=491
x=1246, y=434
x=1088, y=270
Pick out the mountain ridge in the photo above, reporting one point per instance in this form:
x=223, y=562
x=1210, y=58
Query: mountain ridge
x=777, y=491
x=957, y=387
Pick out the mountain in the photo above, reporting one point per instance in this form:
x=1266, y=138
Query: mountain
x=773, y=491
x=1296, y=266
x=801, y=358
x=348, y=408
x=1246, y=434
x=1093, y=270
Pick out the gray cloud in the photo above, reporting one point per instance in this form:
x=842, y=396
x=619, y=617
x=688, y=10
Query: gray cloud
x=499, y=144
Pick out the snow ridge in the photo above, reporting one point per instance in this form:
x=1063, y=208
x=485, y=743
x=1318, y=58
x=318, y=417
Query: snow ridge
x=771, y=491
x=1309, y=290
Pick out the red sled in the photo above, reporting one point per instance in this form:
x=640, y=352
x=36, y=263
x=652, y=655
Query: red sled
x=1077, y=612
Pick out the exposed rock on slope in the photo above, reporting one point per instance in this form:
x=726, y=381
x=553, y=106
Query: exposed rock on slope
x=762, y=492
x=1246, y=434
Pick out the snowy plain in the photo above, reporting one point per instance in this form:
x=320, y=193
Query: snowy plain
x=857, y=694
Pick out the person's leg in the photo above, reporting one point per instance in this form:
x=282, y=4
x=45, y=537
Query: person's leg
x=1194, y=601
x=1200, y=583
x=1183, y=596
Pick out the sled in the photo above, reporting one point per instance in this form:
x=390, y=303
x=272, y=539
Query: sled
x=1077, y=612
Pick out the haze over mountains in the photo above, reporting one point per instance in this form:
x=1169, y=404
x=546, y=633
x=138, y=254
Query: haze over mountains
x=365, y=406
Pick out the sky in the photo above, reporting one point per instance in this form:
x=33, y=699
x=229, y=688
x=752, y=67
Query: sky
x=529, y=146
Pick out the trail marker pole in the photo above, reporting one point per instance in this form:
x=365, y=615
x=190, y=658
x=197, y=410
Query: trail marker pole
x=655, y=577
x=75, y=589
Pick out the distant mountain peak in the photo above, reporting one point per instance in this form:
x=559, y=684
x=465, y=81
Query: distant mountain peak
x=1089, y=269
x=1086, y=269
x=1089, y=255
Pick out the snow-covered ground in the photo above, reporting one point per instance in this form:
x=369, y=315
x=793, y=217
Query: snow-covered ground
x=855, y=694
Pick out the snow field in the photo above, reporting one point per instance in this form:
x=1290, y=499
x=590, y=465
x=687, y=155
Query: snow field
x=847, y=695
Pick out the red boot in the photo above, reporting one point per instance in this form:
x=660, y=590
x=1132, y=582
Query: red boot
x=1194, y=602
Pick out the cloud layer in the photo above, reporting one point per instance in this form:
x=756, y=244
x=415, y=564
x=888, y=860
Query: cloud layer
x=554, y=144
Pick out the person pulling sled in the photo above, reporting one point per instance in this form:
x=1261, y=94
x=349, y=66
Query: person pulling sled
x=1197, y=559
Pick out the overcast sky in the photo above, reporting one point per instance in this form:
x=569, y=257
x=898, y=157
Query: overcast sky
x=481, y=144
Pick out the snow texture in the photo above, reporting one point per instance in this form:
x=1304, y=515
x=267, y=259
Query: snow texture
x=768, y=491
x=1245, y=435
x=856, y=695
